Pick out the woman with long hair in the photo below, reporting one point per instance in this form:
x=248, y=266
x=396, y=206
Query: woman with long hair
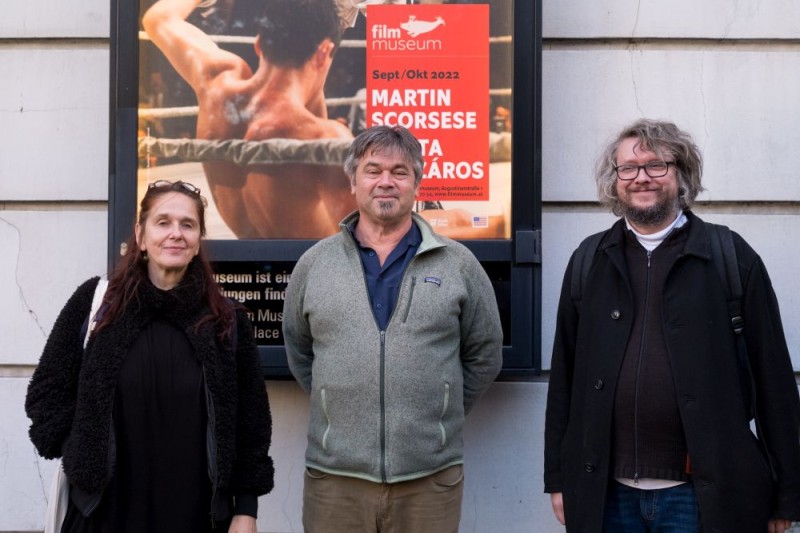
x=162, y=420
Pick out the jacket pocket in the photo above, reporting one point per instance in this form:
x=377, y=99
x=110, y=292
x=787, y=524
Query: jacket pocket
x=323, y=399
x=449, y=477
x=313, y=473
x=407, y=308
x=445, y=406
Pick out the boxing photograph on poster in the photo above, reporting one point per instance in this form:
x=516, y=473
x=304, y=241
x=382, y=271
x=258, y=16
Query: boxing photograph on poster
x=256, y=101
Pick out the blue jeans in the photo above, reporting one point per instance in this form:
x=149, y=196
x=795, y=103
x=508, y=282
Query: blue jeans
x=672, y=510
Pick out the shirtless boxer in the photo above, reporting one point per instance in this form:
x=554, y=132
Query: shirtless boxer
x=282, y=99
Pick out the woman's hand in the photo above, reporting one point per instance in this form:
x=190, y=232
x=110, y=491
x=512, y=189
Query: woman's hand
x=242, y=523
x=778, y=525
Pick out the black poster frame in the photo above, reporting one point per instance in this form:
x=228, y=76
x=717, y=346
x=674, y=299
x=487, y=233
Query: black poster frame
x=521, y=253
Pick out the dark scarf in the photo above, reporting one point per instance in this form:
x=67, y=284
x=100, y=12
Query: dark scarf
x=89, y=444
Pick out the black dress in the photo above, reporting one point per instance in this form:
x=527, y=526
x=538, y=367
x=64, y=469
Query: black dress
x=160, y=482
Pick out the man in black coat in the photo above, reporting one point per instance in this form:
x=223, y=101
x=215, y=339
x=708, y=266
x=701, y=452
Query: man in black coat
x=651, y=391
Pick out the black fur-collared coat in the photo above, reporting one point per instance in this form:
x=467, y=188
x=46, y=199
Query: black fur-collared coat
x=70, y=397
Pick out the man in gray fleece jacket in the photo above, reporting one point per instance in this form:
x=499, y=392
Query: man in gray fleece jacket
x=394, y=332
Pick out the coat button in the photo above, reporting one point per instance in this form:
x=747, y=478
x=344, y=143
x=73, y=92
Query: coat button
x=598, y=384
x=589, y=467
x=615, y=314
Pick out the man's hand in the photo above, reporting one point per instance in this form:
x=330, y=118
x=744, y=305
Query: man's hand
x=349, y=9
x=557, y=500
x=242, y=523
x=778, y=525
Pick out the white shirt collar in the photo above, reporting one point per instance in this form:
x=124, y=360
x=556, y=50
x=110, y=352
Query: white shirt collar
x=650, y=242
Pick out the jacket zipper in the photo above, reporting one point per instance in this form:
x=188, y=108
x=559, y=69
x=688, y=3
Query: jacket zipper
x=382, y=361
x=382, y=334
x=638, y=376
x=383, y=407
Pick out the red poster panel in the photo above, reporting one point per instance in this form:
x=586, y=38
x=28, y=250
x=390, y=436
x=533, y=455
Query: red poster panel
x=428, y=70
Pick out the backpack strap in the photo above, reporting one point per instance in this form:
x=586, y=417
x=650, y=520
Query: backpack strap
x=723, y=254
x=582, y=263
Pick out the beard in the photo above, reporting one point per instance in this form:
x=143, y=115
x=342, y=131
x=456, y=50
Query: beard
x=386, y=207
x=654, y=215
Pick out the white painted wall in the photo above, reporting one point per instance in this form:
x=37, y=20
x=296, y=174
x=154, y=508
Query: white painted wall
x=720, y=69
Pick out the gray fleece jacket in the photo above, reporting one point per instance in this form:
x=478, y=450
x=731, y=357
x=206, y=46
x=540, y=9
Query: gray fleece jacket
x=389, y=406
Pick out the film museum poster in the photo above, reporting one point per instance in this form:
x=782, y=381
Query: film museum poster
x=271, y=171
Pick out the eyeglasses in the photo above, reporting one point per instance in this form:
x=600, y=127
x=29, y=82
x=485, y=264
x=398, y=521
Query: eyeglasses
x=175, y=186
x=654, y=169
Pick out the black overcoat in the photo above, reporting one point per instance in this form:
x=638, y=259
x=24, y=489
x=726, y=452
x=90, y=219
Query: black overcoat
x=740, y=481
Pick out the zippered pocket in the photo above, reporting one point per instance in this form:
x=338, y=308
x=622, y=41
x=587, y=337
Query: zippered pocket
x=445, y=405
x=323, y=400
x=410, y=298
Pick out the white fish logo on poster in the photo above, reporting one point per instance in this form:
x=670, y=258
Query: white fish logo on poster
x=416, y=27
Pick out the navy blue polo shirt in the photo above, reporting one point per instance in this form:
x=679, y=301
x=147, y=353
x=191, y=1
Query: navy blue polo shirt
x=383, y=282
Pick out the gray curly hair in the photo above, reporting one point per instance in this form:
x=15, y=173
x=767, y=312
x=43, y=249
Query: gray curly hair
x=667, y=141
x=385, y=138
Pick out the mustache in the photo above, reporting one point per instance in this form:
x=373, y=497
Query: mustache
x=385, y=198
x=385, y=194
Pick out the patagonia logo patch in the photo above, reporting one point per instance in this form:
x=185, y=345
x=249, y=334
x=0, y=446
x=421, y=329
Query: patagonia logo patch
x=431, y=279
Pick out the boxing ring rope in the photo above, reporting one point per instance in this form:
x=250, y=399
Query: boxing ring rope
x=278, y=151
x=191, y=111
x=344, y=43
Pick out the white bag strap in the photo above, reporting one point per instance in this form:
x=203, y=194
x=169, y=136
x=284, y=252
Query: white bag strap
x=57, y=502
x=97, y=301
